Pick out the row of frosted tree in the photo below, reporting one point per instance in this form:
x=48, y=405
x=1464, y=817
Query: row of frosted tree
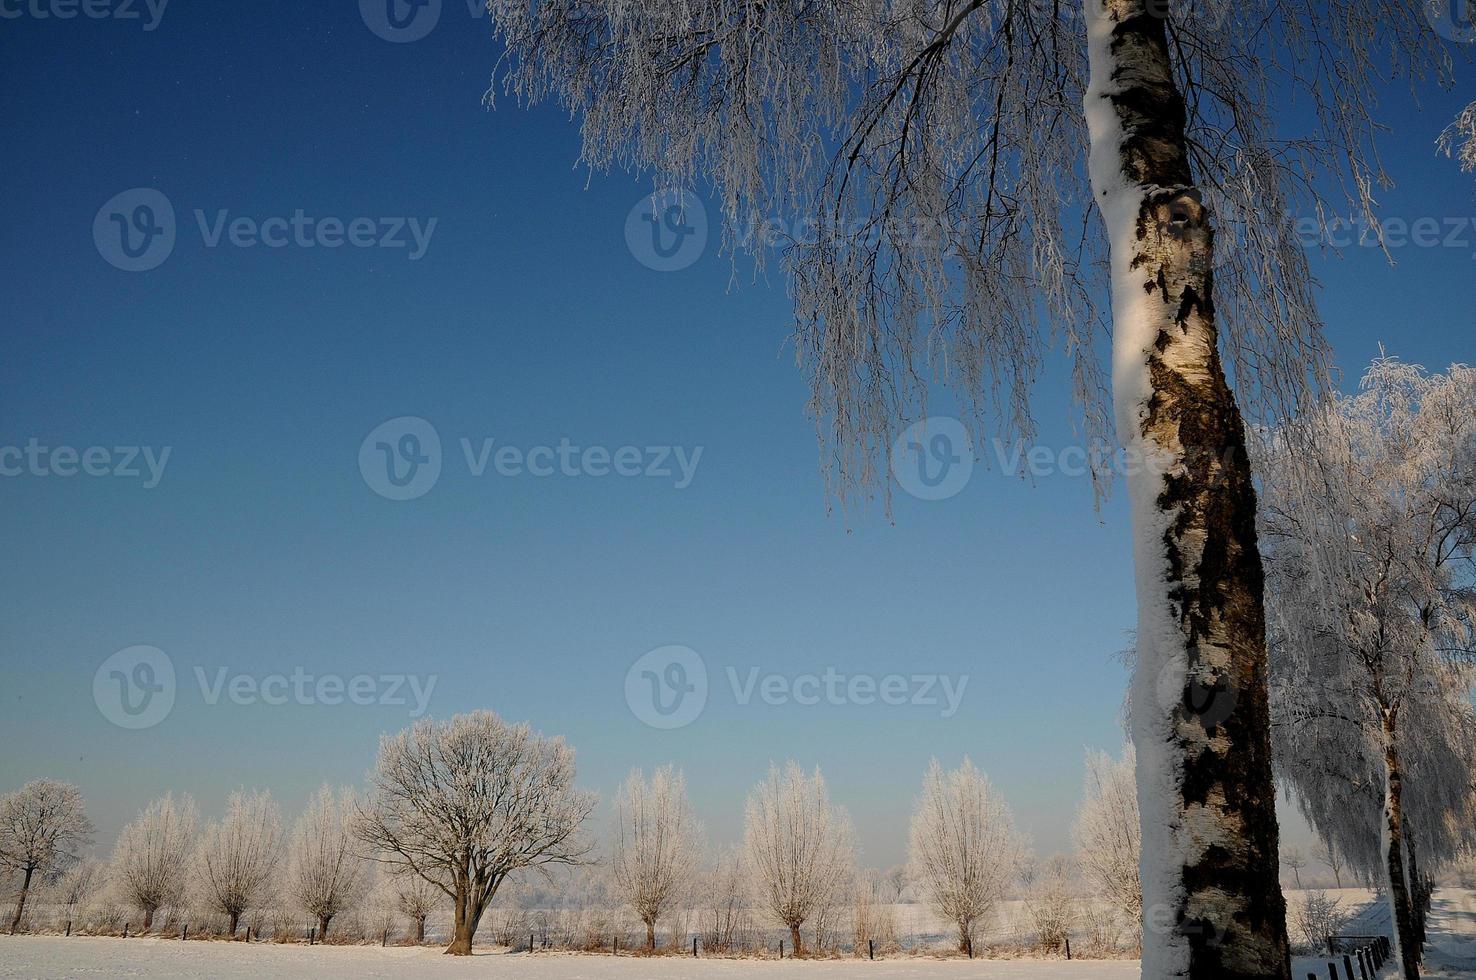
x=468, y=817
x=1367, y=525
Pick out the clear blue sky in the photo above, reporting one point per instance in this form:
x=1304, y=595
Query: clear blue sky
x=527, y=320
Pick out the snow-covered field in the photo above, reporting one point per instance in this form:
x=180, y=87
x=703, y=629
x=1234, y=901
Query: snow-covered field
x=49, y=956
x=1451, y=953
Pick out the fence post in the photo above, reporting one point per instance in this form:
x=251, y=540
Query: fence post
x=312, y=934
x=871, y=948
x=1348, y=965
x=1332, y=971
x=1068, y=947
x=694, y=947
x=384, y=940
x=781, y=949
x=1363, y=961
x=184, y=932
x=530, y=944
x=69, y=927
x=125, y=930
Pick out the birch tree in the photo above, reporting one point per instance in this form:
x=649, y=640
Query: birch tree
x=655, y=848
x=466, y=803
x=1107, y=833
x=945, y=182
x=151, y=858
x=799, y=847
x=237, y=858
x=1369, y=523
x=43, y=828
x=963, y=849
x=325, y=875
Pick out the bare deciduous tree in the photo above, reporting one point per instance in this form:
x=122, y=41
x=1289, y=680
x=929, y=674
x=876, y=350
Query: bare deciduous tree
x=415, y=899
x=80, y=884
x=325, y=874
x=1294, y=859
x=1107, y=832
x=655, y=847
x=152, y=855
x=43, y=828
x=799, y=847
x=964, y=850
x=1369, y=524
x=1051, y=899
x=466, y=803
x=1329, y=855
x=236, y=860
x=725, y=910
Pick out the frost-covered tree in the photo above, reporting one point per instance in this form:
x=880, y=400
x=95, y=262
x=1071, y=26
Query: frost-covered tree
x=1052, y=900
x=151, y=858
x=963, y=849
x=655, y=846
x=467, y=802
x=79, y=885
x=325, y=874
x=945, y=179
x=724, y=914
x=43, y=828
x=415, y=898
x=1107, y=833
x=1368, y=523
x=236, y=860
x=1294, y=859
x=1459, y=138
x=1328, y=854
x=799, y=848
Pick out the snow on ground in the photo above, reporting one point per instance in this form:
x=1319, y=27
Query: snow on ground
x=1450, y=954
x=81, y=956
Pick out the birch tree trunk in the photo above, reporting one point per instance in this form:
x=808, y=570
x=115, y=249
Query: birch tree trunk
x=1212, y=905
x=1406, y=942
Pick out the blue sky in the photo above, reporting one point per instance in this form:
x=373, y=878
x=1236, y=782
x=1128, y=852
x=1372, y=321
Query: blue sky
x=527, y=320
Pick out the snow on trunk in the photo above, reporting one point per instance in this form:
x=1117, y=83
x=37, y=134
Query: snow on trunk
x=1212, y=905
